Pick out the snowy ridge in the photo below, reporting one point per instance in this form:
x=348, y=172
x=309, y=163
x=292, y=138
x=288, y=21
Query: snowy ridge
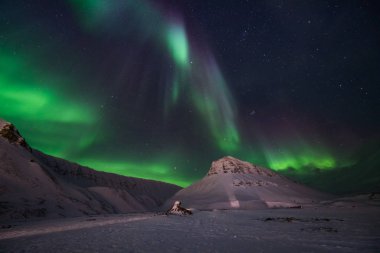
x=33, y=184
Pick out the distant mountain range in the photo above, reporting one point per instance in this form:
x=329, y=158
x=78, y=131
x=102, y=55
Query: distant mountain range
x=33, y=184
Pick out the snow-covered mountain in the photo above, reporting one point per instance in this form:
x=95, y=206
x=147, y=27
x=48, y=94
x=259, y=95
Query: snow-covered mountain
x=235, y=184
x=33, y=184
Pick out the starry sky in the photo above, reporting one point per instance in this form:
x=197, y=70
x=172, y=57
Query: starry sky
x=159, y=89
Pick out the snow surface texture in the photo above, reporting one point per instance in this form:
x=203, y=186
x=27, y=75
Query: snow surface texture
x=33, y=184
x=234, y=184
x=327, y=229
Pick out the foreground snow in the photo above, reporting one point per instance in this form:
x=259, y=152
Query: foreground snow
x=276, y=230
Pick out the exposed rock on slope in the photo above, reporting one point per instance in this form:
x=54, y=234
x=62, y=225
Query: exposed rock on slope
x=9, y=132
x=177, y=209
x=234, y=184
x=33, y=184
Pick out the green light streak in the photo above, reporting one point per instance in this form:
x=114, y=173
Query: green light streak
x=225, y=133
x=147, y=170
x=178, y=44
x=34, y=103
x=24, y=94
x=298, y=154
x=214, y=102
x=231, y=141
x=299, y=162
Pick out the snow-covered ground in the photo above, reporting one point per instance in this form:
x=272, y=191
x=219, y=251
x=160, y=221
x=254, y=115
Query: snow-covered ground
x=322, y=229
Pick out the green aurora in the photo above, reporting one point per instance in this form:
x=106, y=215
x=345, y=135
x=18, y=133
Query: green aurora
x=62, y=126
x=57, y=118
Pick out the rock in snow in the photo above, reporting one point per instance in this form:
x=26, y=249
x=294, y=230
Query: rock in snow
x=234, y=184
x=177, y=209
x=33, y=184
x=9, y=132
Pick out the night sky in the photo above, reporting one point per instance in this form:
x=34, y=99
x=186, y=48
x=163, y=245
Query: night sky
x=159, y=89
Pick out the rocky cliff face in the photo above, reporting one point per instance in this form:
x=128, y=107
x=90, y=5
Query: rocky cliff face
x=230, y=164
x=9, y=132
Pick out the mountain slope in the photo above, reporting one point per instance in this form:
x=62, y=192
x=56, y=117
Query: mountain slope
x=33, y=184
x=234, y=184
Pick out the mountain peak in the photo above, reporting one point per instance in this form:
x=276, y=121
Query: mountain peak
x=235, y=184
x=229, y=164
x=10, y=132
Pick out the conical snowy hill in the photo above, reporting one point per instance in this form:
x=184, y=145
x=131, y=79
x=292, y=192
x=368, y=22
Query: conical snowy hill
x=235, y=184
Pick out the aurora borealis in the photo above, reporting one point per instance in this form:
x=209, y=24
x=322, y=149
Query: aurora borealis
x=159, y=89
